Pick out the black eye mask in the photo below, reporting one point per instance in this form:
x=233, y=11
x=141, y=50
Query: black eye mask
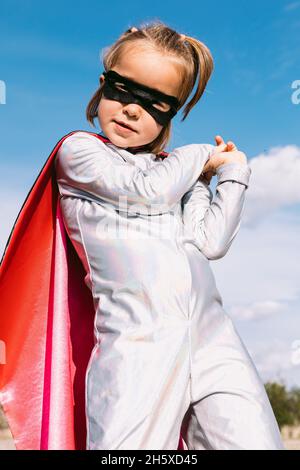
x=125, y=90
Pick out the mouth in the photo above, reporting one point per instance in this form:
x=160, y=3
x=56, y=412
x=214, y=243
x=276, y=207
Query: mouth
x=125, y=126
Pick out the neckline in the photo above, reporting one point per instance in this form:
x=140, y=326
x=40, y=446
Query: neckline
x=133, y=150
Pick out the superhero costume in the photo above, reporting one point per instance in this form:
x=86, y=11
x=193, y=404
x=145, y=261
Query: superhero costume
x=198, y=358
x=145, y=228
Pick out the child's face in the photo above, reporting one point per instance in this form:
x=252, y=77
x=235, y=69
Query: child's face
x=148, y=68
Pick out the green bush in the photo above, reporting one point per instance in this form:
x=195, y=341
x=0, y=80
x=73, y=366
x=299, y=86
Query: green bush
x=285, y=403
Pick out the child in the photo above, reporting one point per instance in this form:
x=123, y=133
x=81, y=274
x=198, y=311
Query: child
x=166, y=361
x=167, y=358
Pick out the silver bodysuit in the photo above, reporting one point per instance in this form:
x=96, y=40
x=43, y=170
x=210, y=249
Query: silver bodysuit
x=167, y=359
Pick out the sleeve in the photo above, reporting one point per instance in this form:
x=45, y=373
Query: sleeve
x=215, y=222
x=85, y=165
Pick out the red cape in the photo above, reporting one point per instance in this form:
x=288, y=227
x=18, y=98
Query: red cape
x=46, y=324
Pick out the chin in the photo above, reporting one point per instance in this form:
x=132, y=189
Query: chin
x=121, y=141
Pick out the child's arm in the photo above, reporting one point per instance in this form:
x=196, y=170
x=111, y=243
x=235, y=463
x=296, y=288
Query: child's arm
x=85, y=163
x=216, y=222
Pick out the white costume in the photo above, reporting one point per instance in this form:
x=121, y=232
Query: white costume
x=167, y=358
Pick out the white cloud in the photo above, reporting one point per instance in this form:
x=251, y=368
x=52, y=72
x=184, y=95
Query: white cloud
x=275, y=362
x=263, y=262
x=258, y=279
x=258, y=310
x=274, y=183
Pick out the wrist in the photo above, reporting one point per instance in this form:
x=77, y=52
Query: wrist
x=234, y=171
x=240, y=159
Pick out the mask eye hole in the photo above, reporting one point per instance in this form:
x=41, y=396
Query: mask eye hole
x=161, y=106
x=121, y=87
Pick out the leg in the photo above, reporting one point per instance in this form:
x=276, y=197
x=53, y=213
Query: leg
x=227, y=421
x=230, y=409
x=137, y=393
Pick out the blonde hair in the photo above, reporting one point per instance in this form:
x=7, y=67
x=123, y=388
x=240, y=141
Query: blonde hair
x=192, y=56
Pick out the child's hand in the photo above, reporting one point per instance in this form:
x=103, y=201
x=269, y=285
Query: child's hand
x=223, y=153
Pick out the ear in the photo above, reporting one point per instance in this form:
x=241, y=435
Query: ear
x=101, y=79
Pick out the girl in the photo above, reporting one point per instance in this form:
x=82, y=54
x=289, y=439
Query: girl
x=145, y=227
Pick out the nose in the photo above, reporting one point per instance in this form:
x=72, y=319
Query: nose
x=133, y=109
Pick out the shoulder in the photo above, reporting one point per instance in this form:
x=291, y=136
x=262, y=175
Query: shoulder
x=81, y=139
x=81, y=145
x=81, y=152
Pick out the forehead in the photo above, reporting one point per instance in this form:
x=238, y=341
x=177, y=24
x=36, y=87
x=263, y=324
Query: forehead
x=150, y=68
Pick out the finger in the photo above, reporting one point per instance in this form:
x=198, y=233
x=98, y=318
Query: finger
x=220, y=148
x=219, y=140
x=231, y=146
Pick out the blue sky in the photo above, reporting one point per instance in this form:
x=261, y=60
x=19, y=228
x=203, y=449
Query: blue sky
x=50, y=62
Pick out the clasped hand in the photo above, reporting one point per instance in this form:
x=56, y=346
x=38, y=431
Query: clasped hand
x=223, y=153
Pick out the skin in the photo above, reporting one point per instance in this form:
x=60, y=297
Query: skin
x=138, y=64
x=224, y=153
